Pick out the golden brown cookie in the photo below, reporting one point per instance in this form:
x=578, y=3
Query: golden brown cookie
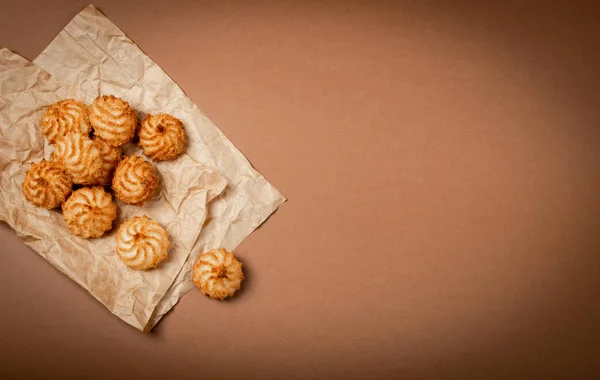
x=64, y=117
x=134, y=180
x=162, y=137
x=113, y=119
x=218, y=273
x=89, y=212
x=80, y=158
x=142, y=243
x=46, y=184
x=110, y=157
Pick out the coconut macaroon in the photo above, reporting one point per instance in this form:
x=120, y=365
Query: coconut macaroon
x=134, y=180
x=89, y=212
x=162, y=137
x=46, y=184
x=142, y=243
x=218, y=274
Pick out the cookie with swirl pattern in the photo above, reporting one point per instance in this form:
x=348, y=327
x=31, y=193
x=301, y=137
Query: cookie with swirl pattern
x=65, y=117
x=218, y=273
x=110, y=156
x=162, y=137
x=80, y=157
x=113, y=119
x=46, y=184
x=89, y=212
x=142, y=243
x=134, y=180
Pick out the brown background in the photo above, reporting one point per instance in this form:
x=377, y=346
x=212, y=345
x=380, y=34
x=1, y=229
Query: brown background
x=442, y=164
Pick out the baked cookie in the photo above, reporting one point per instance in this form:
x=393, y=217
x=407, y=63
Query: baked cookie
x=134, y=180
x=142, y=243
x=63, y=117
x=113, y=119
x=46, y=184
x=89, y=212
x=218, y=274
x=110, y=157
x=80, y=157
x=162, y=137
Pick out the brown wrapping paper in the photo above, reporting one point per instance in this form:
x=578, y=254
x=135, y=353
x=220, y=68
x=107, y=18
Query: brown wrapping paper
x=94, y=57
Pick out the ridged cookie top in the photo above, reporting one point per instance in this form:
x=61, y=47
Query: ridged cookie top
x=218, y=273
x=162, y=137
x=142, y=243
x=110, y=157
x=134, y=180
x=113, y=119
x=46, y=184
x=89, y=212
x=64, y=117
x=80, y=158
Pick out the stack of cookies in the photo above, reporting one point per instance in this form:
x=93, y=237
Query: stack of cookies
x=87, y=155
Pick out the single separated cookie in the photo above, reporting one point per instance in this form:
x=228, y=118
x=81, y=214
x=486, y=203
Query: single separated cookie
x=218, y=273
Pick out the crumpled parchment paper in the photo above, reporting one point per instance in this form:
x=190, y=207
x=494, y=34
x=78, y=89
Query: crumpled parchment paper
x=179, y=204
x=91, y=56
